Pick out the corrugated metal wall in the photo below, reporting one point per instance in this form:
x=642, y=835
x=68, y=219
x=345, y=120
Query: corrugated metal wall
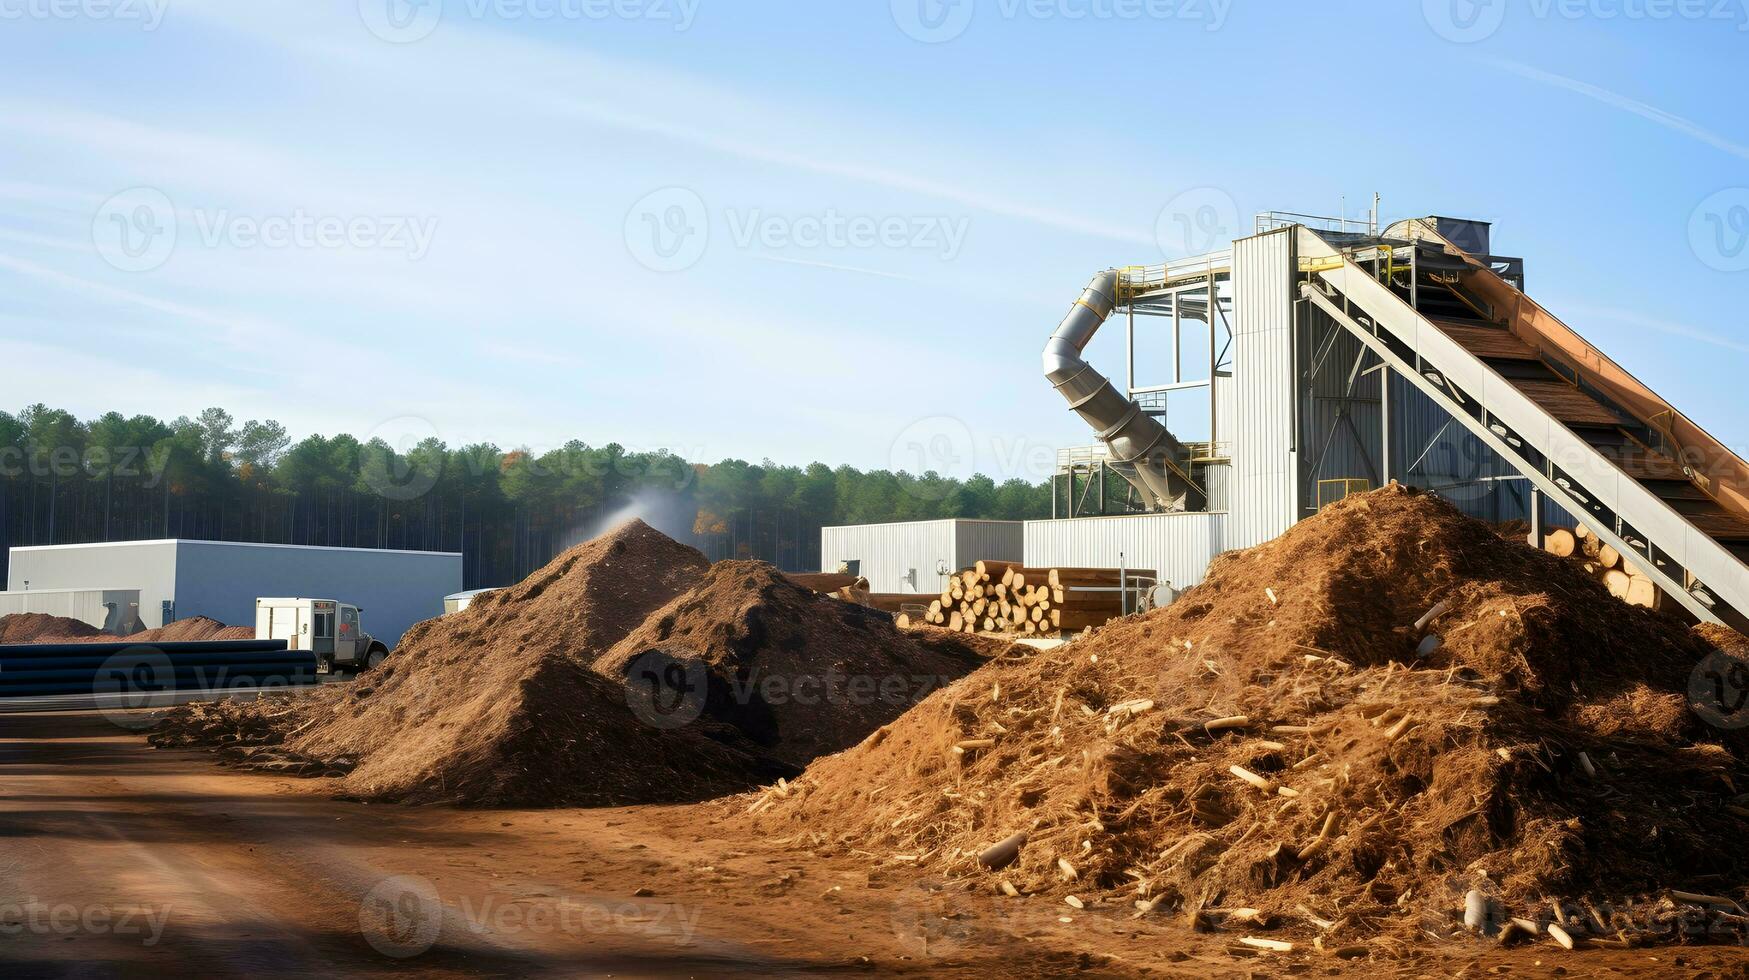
x=1431, y=450
x=985, y=540
x=1265, y=473
x=1177, y=546
x=1342, y=430
x=905, y=557
x=89, y=606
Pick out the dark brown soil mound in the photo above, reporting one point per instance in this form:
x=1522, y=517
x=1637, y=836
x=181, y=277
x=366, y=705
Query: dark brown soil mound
x=44, y=628
x=799, y=673
x=496, y=705
x=1272, y=742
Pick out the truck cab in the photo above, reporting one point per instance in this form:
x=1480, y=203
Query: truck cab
x=328, y=628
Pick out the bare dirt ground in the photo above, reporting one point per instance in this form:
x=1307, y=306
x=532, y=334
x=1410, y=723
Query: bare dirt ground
x=118, y=859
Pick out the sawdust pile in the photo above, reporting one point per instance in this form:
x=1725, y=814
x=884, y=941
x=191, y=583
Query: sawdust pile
x=43, y=628
x=1271, y=750
x=496, y=705
x=799, y=673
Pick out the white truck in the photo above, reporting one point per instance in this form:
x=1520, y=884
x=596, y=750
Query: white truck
x=330, y=629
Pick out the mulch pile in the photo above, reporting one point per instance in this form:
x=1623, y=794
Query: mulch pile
x=499, y=705
x=496, y=705
x=799, y=673
x=43, y=628
x=1272, y=751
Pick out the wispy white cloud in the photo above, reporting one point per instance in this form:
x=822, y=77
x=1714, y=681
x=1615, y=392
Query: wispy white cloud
x=838, y=267
x=1668, y=327
x=1616, y=100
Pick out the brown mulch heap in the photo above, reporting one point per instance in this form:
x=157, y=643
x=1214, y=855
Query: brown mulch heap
x=496, y=705
x=44, y=628
x=799, y=673
x=1545, y=751
x=41, y=628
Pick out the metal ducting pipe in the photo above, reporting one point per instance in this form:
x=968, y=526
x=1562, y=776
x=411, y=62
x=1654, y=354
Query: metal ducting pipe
x=1147, y=455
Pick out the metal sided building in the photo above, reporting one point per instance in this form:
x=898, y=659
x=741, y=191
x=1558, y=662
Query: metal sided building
x=177, y=579
x=1322, y=356
x=917, y=556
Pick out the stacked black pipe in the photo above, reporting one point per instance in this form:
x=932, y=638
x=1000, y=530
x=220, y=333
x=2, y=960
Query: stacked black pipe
x=42, y=669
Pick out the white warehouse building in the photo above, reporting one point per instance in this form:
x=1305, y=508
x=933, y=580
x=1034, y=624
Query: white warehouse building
x=916, y=556
x=176, y=579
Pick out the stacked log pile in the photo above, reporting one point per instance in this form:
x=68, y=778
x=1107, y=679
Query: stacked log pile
x=1625, y=579
x=1007, y=597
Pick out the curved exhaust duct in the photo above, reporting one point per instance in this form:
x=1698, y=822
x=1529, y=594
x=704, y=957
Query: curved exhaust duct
x=1145, y=453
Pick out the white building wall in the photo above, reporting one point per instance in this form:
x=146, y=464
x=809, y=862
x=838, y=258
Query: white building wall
x=1263, y=491
x=395, y=589
x=222, y=579
x=1178, y=547
x=909, y=556
x=89, y=606
x=149, y=566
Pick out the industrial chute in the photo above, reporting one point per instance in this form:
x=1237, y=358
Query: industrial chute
x=1141, y=449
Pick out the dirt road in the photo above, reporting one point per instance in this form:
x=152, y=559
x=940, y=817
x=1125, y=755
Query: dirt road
x=119, y=859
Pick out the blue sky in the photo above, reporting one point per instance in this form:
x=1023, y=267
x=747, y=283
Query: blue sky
x=795, y=229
